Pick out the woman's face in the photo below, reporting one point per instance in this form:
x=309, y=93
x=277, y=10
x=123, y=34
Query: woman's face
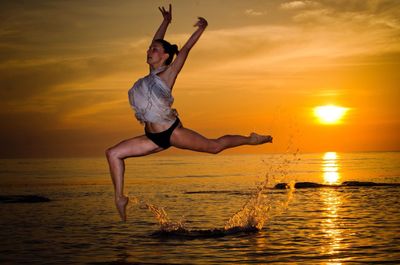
x=156, y=54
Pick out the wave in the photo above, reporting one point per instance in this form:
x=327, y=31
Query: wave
x=301, y=185
x=23, y=199
x=229, y=192
x=201, y=176
x=298, y=185
x=208, y=176
x=367, y=184
x=183, y=233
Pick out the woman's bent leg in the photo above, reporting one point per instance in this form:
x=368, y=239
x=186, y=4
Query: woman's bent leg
x=138, y=146
x=187, y=139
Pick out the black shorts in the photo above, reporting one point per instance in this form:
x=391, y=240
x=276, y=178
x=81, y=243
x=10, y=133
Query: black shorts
x=162, y=139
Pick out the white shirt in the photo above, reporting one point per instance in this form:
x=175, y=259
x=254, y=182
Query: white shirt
x=151, y=99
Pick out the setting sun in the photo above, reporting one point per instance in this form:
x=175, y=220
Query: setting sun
x=329, y=114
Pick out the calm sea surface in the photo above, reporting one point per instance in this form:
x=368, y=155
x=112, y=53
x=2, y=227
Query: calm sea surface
x=212, y=207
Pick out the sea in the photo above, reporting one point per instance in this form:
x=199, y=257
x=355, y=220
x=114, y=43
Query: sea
x=287, y=208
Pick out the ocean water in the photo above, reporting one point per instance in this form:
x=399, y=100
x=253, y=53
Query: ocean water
x=204, y=209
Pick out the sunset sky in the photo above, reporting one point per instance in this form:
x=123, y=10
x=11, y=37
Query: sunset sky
x=66, y=68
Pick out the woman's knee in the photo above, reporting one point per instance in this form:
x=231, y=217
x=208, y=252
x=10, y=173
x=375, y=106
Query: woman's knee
x=214, y=147
x=112, y=153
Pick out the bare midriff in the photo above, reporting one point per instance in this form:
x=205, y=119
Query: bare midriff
x=157, y=127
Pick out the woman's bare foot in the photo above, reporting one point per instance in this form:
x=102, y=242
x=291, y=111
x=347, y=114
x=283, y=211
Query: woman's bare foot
x=121, y=203
x=256, y=139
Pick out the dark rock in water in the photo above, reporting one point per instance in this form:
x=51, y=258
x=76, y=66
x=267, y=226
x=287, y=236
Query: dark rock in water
x=281, y=186
x=23, y=199
x=367, y=184
x=207, y=233
x=299, y=185
x=359, y=183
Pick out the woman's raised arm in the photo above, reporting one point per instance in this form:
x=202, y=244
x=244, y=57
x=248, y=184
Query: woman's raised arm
x=178, y=63
x=160, y=33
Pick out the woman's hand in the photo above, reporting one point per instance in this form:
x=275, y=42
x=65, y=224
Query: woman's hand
x=201, y=23
x=166, y=14
x=180, y=59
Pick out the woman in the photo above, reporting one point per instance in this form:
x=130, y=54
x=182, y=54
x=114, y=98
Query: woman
x=151, y=99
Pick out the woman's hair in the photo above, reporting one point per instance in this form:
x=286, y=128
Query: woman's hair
x=169, y=48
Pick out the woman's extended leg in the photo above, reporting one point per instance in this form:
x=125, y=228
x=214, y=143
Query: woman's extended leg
x=138, y=146
x=187, y=139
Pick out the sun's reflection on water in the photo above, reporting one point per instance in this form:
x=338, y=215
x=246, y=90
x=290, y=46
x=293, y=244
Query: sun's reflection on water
x=332, y=201
x=331, y=225
x=330, y=168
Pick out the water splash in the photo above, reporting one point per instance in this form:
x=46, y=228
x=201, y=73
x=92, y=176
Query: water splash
x=256, y=211
x=165, y=223
x=264, y=203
